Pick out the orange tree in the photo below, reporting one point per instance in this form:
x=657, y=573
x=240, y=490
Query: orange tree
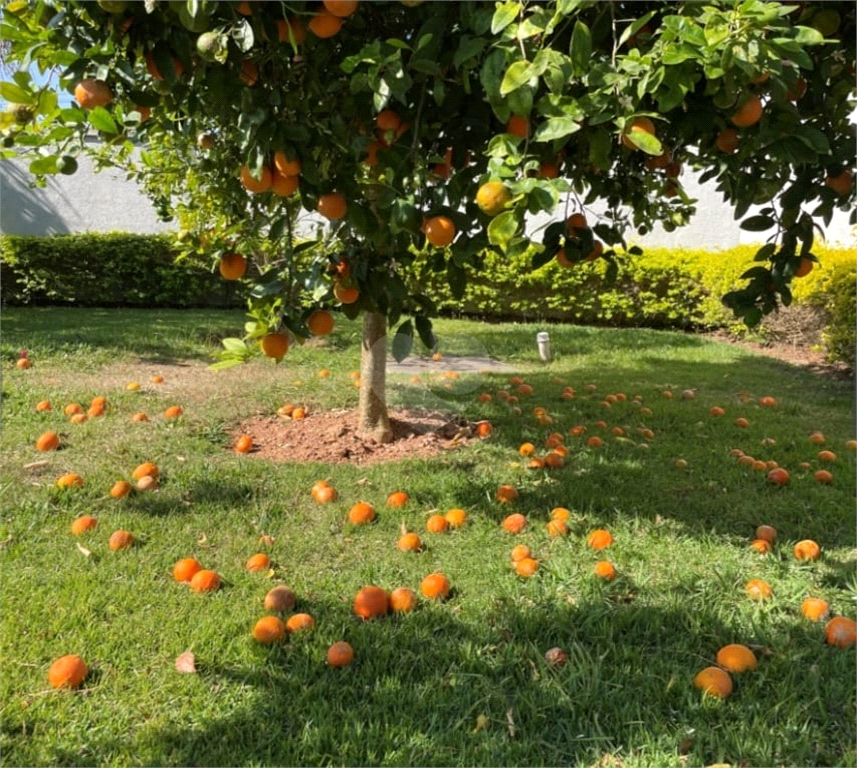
x=444, y=126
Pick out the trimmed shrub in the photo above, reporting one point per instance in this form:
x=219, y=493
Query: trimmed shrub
x=113, y=269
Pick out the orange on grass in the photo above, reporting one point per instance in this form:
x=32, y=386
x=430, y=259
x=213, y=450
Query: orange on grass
x=520, y=551
x=72, y=408
x=397, y=499
x=599, y=539
x=506, y=493
x=851, y=445
x=439, y=231
x=560, y=513
x=275, y=345
x=717, y=410
x=727, y=141
x=484, y=429
x=749, y=113
x=299, y=621
x=147, y=468
x=91, y=93
x=323, y=493
x=437, y=524
x=409, y=542
x=70, y=480
x=807, y=549
x=767, y=401
x=340, y=654
x=557, y=528
x=44, y=405
x=205, y=581
x=121, y=488
x=320, y=322
x=254, y=185
x=78, y=418
x=526, y=566
x=604, y=569
x=814, y=608
x=736, y=658
x=514, y=523
x=361, y=513
x=23, y=363
x=173, y=412
x=526, y=449
x=826, y=456
x=758, y=589
x=742, y=422
x=817, y=438
x=435, y=586
x=324, y=24
x=95, y=411
x=67, y=672
x=714, y=682
x=258, y=562
x=371, y=602
x=778, y=476
x=49, y=441
x=492, y=197
x=120, y=540
x=269, y=629
x=594, y=442
x=761, y=546
x=279, y=599
x=186, y=568
x=403, y=600
x=455, y=517
x=518, y=125
x=140, y=416
x=642, y=124
x=332, y=206
x=83, y=524
x=841, y=632
x=244, y=444
x=554, y=460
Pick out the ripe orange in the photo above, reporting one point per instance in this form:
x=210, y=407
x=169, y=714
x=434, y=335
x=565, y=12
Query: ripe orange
x=361, y=513
x=120, y=540
x=244, y=444
x=826, y=456
x=258, y=562
x=402, y=600
x=340, y=654
x=526, y=449
x=254, y=185
x=506, y=493
x=804, y=268
x=727, y=141
x=67, y=672
x=761, y=546
x=435, y=586
x=840, y=184
x=78, y=418
x=437, y=524
x=284, y=166
x=332, y=206
x=560, y=513
x=269, y=629
x=205, y=581
x=599, y=539
x=526, y=566
x=757, y=589
x=548, y=170
x=814, y=608
x=320, y=322
x=439, y=231
x=778, y=476
x=23, y=363
x=823, y=476
x=279, y=599
x=397, y=499
x=604, y=569
x=92, y=93
x=518, y=125
x=736, y=658
x=147, y=468
x=70, y=480
x=637, y=124
x=807, y=550
x=294, y=27
x=300, y=621
x=275, y=345
x=72, y=408
x=83, y=524
x=387, y=120
x=282, y=185
x=817, y=438
x=841, y=632
x=557, y=528
x=717, y=411
x=323, y=493
x=514, y=523
x=49, y=441
x=456, y=517
x=43, y=406
x=749, y=113
x=714, y=682
x=324, y=24
x=520, y=551
x=594, y=441
x=173, y=412
x=371, y=602
x=120, y=489
x=554, y=460
x=767, y=401
x=742, y=422
x=186, y=568
x=409, y=542
x=492, y=197
x=347, y=294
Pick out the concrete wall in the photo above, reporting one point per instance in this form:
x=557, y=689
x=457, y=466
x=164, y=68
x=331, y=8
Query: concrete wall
x=106, y=202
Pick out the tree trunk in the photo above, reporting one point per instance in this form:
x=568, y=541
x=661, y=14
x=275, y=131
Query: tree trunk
x=373, y=422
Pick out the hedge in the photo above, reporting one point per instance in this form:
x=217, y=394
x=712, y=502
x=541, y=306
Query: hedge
x=113, y=269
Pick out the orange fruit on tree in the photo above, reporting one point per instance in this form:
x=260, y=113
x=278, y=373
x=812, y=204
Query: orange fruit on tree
x=435, y=586
x=282, y=185
x=67, y=671
x=269, y=629
x=841, y=632
x=320, y=322
x=548, y=170
x=402, y=600
x=841, y=183
x=437, y=524
x=439, y=231
x=249, y=73
x=83, y=524
x=758, y=589
x=804, y=268
x=749, y=113
x=641, y=124
x=371, y=602
x=275, y=345
x=604, y=569
x=186, y=568
x=324, y=24
x=520, y=551
x=409, y=542
x=288, y=29
x=244, y=444
x=205, y=581
x=173, y=412
x=49, y=441
x=492, y=197
x=599, y=539
x=814, y=608
x=70, y=480
x=557, y=528
x=346, y=294
x=285, y=166
x=526, y=566
x=387, y=120
x=258, y=562
x=340, y=654
x=727, y=141
x=807, y=549
x=120, y=540
x=518, y=125
x=714, y=681
x=506, y=493
x=455, y=517
x=332, y=206
x=361, y=513
x=341, y=8
x=299, y=621
x=279, y=599
x=514, y=523
x=736, y=658
x=120, y=489
x=254, y=185
x=397, y=499
x=92, y=93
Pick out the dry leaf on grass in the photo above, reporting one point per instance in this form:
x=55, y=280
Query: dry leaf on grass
x=185, y=663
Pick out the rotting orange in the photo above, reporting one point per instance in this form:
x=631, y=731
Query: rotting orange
x=758, y=589
x=506, y=493
x=279, y=599
x=807, y=549
x=778, y=476
x=761, y=546
x=340, y=654
x=841, y=632
x=814, y=608
x=120, y=540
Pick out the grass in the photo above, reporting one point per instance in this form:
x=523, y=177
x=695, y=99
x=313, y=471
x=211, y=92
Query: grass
x=457, y=683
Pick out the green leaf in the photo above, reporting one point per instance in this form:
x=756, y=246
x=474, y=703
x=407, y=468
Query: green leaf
x=102, y=120
x=457, y=279
x=502, y=229
x=43, y=165
x=234, y=345
x=14, y=94
x=518, y=74
x=555, y=128
x=229, y=362
x=815, y=139
x=650, y=144
x=403, y=340
x=581, y=48
x=424, y=329
x=468, y=48
x=505, y=15
x=758, y=223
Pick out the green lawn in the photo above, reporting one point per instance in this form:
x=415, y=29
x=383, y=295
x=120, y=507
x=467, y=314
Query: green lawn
x=460, y=682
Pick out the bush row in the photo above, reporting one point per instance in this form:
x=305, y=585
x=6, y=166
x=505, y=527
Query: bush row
x=113, y=269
